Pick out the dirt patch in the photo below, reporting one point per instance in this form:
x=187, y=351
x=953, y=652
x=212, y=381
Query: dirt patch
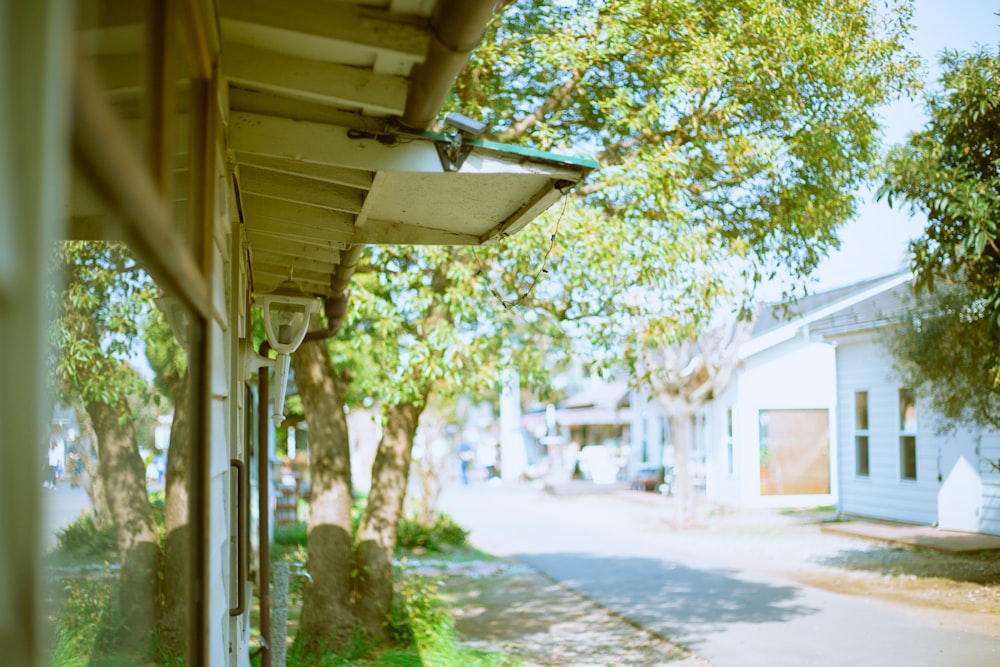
x=958, y=590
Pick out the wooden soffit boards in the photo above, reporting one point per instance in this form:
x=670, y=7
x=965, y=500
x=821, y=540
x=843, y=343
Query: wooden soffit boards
x=321, y=186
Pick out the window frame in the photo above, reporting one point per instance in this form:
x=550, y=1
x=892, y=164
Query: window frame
x=862, y=433
x=908, y=436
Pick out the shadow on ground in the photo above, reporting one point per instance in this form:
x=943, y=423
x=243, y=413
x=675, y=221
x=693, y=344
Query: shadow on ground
x=982, y=569
x=520, y=612
x=680, y=602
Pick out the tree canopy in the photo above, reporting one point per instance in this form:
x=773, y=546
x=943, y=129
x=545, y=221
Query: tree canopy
x=950, y=170
x=943, y=346
x=733, y=138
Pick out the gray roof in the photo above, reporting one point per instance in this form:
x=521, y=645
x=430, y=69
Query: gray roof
x=779, y=314
x=877, y=311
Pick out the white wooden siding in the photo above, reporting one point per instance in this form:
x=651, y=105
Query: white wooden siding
x=989, y=451
x=863, y=366
x=796, y=374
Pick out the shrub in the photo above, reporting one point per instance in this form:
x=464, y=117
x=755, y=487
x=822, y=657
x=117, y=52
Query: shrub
x=444, y=533
x=83, y=538
x=421, y=620
x=296, y=534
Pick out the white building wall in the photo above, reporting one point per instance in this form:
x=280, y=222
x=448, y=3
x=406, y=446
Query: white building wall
x=989, y=458
x=796, y=374
x=863, y=366
x=723, y=486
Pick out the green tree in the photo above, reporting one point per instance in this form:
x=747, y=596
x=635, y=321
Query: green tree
x=106, y=297
x=943, y=344
x=949, y=170
x=328, y=619
x=424, y=336
x=168, y=360
x=733, y=139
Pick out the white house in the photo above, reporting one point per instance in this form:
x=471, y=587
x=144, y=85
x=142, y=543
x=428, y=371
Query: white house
x=769, y=439
x=894, y=460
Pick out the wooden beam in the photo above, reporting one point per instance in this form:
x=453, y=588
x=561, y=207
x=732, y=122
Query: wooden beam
x=333, y=145
x=267, y=280
x=276, y=185
x=269, y=104
x=299, y=273
x=258, y=208
x=354, y=178
x=319, y=260
x=308, y=247
x=339, y=24
x=532, y=209
x=384, y=232
x=324, y=82
x=327, y=144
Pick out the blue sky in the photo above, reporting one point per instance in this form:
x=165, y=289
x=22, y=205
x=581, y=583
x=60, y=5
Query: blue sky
x=875, y=244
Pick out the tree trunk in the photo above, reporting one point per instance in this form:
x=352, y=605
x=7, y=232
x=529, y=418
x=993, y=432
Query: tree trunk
x=430, y=469
x=682, y=431
x=327, y=620
x=124, y=478
x=430, y=497
x=376, y=539
x=92, y=484
x=176, y=517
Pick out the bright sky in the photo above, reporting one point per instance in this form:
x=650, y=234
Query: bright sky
x=875, y=244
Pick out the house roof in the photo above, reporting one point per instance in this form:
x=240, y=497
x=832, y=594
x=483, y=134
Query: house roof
x=781, y=322
x=328, y=103
x=326, y=107
x=876, y=311
x=599, y=394
x=778, y=314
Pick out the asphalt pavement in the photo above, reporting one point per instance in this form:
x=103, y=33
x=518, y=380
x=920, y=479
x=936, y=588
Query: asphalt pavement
x=61, y=506
x=706, y=600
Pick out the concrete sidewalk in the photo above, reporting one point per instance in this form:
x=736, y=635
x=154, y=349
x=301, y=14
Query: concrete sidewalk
x=911, y=535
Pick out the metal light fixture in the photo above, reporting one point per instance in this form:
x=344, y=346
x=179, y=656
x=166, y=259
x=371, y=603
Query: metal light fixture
x=177, y=317
x=286, y=320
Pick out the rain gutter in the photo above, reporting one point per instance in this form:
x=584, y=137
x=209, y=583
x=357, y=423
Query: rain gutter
x=457, y=28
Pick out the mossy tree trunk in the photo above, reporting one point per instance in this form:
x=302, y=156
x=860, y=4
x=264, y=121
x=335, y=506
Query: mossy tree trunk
x=327, y=620
x=177, y=528
x=376, y=538
x=124, y=477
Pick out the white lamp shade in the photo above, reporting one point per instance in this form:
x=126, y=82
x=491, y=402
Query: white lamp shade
x=286, y=319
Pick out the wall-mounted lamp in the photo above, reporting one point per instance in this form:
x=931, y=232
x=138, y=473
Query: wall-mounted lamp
x=286, y=320
x=176, y=313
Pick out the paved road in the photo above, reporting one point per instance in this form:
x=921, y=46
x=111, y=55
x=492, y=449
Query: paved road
x=708, y=602
x=61, y=506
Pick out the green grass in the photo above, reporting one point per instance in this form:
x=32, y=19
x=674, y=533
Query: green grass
x=89, y=623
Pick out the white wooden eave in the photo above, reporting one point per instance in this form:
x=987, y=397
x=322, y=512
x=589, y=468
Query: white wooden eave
x=320, y=166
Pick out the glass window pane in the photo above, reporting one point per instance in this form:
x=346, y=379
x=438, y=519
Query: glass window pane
x=861, y=455
x=908, y=457
x=113, y=38
x=117, y=488
x=907, y=412
x=794, y=452
x=861, y=410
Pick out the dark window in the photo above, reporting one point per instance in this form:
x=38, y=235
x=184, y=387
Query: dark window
x=861, y=410
x=908, y=457
x=861, y=455
x=907, y=435
x=861, y=433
